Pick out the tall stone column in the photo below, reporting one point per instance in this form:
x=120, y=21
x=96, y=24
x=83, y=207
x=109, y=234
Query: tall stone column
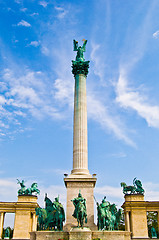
x=80, y=152
x=80, y=178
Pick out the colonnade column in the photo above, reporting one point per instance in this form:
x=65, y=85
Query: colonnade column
x=127, y=221
x=2, y=214
x=34, y=226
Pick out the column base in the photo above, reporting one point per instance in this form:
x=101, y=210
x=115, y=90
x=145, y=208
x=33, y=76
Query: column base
x=86, y=184
x=80, y=171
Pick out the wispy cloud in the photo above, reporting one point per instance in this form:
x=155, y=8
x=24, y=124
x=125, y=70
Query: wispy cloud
x=98, y=112
x=133, y=99
x=34, y=43
x=23, y=9
x=61, y=12
x=43, y=3
x=18, y=1
x=34, y=14
x=25, y=94
x=24, y=23
x=56, y=171
x=156, y=34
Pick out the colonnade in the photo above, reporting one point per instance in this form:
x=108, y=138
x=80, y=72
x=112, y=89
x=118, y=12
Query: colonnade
x=25, y=219
x=135, y=211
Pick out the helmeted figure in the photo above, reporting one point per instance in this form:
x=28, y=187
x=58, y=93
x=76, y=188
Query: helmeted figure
x=105, y=204
x=59, y=213
x=80, y=212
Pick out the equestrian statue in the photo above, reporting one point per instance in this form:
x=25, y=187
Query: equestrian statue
x=52, y=216
x=80, y=212
x=108, y=216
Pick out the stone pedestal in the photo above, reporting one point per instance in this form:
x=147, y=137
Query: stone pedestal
x=25, y=219
x=80, y=234
x=49, y=235
x=136, y=215
x=86, y=184
x=111, y=235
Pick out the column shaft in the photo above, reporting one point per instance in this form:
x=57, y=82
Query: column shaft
x=34, y=226
x=1, y=223
x=127, y=221
x=80, y=152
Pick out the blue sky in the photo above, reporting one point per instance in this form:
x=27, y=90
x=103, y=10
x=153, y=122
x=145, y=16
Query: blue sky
x=36, y=94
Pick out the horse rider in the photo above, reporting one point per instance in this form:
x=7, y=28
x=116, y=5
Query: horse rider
x=105, y=204
x=79, y=200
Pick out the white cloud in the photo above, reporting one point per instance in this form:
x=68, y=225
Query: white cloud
x=99, y=65
x=34, y=14
x=98, y=112
x=156, y=34
x=64, y=91
x=56, y=171
x=24, y=23
x=34, y=43
x=133, y=99
x=43, y=3
x=151, y=191
x=45, y=51
x=18, y=1
x=23, y=9
x=27, y=93
x=61, y=12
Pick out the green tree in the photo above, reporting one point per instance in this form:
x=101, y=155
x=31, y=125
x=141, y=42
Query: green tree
x=152, y=222
x=122, y=223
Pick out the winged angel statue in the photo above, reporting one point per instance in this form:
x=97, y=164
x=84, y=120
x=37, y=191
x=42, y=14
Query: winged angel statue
x=80, y=50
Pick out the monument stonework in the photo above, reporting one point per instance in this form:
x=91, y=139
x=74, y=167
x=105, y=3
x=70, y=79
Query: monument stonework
x=80, y=192
x=80, y=178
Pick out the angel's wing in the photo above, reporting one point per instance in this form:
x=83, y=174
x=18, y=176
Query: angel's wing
x=84, y=45
x=75, y=44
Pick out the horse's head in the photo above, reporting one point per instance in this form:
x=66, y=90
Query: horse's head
x=34, y=185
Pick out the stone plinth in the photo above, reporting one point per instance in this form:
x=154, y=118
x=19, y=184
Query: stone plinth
x=111, y=235
x=49, y=235
x=134, y=197
x=135, y=210
x=27, y=198
x=25, y=217
x=86, y=184
x=80, y=234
